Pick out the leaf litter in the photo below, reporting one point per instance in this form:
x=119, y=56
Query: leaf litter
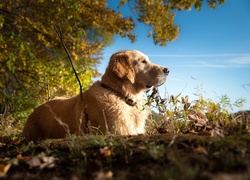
x=161, y=156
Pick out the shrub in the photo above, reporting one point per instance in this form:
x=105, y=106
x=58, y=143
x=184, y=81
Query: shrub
x=177, y=114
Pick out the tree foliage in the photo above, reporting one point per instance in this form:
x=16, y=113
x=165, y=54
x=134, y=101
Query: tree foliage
x=160, y=14
x=33, y=66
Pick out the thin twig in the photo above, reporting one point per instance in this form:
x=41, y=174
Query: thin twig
x=106, y=123
x=59, y=33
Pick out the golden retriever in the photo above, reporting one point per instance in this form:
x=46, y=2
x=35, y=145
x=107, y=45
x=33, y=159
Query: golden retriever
x=110, y=105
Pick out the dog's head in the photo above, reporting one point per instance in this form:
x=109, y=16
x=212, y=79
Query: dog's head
x=135, y=67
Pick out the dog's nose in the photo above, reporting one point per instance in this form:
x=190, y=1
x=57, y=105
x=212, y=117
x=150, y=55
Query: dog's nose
x=166, y=71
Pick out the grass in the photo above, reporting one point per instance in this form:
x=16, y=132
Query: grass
x=185, y=140
x=132, y=157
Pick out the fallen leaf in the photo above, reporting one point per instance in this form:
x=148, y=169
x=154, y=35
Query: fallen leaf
x=21, y=157
x=17, y=140
x=142, y=147
x=4, y=169
x=41, y=161
x=105, y=152
x=103, y=175
x=34, y=162
x=48, y=162
x=200, y=150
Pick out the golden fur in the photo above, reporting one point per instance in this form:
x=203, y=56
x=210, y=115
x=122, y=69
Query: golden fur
x=109, y=105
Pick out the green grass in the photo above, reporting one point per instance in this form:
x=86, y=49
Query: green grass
x=185, y=140
x=129, y=157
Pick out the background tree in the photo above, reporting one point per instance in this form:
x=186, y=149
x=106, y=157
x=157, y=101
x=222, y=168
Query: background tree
x=160, y=14
x=33, y=66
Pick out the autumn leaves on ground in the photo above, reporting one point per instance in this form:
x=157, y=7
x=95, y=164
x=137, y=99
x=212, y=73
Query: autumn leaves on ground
x=198, y=148
x=132, y=157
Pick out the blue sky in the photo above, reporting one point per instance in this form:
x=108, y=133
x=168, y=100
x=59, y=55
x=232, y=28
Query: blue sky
x=212, y=52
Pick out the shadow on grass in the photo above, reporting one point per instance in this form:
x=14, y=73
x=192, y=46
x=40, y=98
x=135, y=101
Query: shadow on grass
x=166, y=156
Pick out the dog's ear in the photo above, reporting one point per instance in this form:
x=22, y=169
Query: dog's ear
x=121, y=66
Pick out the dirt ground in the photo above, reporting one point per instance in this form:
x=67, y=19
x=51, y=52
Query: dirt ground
x=131, y=157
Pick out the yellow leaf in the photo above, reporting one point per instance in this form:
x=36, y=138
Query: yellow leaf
x=21, y=157
x=105, y=152
x=4, y=169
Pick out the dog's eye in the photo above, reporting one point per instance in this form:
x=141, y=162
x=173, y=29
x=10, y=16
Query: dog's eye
x=144, y=61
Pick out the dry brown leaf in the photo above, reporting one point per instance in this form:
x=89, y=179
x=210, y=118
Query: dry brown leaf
x=2, y=144
x=21, y=157
x=200, y=150
x=103, y=175
x=48, y=162
x=41, y=162
x=142, y=147
x=198, y=121
x=218, y=132
x=34, y=162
